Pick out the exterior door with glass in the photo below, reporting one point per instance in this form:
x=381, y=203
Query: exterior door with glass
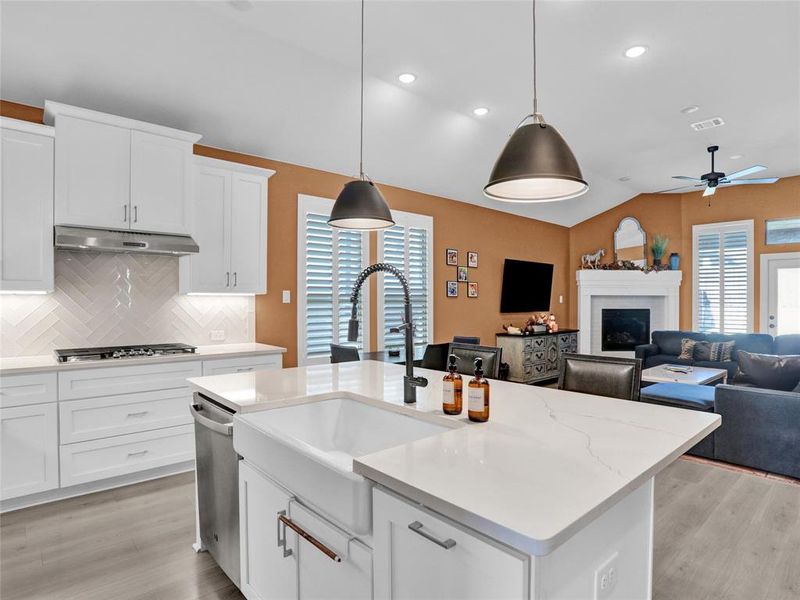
x=780, y=293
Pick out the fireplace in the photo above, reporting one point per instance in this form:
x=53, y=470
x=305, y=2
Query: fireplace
x=625, y=328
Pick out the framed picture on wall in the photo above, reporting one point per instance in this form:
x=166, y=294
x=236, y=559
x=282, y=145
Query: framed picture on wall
x=463, y=274
x=472, y=260
x=452, y=289
x=452, y=257
x=472, y=289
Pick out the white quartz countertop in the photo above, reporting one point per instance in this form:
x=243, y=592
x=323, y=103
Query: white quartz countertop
x=48, y=362
x=546, y=464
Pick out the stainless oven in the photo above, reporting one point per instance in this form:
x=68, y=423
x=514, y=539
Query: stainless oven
x=217, y=483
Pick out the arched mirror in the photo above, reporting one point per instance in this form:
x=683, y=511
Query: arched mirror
x=630, y=242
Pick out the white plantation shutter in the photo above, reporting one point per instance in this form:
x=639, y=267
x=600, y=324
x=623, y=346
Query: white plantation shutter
x=329, y=260
x=723, y=277
x=409, y=247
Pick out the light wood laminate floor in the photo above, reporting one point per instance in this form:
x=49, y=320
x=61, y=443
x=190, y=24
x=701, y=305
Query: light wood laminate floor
x=719, y=534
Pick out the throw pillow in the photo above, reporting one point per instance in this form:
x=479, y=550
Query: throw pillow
x=722, y=351
x=768, y=371
x=796, y=389
x=687, y=349
x=702, y=351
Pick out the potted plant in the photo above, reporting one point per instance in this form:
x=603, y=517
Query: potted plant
x=658, y=248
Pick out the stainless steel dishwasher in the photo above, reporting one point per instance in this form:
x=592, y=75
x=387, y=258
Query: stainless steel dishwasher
x=217, y=470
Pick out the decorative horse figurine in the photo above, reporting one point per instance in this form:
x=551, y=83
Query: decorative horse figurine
x=590, y=261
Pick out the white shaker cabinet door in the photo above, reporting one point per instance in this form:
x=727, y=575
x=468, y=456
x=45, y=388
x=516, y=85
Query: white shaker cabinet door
x=92, y=174
x=418, y=554
x=28, y=449
x=209, y=270
x=160, y=183
x=268, y=553
x=26, y=211
x=249, y=234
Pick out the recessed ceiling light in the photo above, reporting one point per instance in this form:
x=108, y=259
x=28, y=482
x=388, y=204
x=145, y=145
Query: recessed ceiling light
x=407, y=77
x=690, y=109
x=480, y=111
x=635, y=51
x=626, y=178
x=736, y=156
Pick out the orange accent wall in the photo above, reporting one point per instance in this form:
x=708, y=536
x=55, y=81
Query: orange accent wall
x=674, y=215
x=494, y=235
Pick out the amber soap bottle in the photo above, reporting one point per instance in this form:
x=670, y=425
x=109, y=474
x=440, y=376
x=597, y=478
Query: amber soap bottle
x=452, y=389
x=478, y=395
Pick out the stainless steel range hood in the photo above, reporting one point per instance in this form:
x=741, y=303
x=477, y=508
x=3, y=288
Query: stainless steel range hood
x=109, y=240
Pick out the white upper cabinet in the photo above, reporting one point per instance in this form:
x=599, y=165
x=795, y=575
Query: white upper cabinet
x=117, y=173
x=26, y=206
x=161, y=170
x=230, y=227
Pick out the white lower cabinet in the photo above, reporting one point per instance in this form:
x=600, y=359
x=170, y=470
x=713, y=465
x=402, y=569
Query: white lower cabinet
x=278, y=564
x=28, y=449
x=242, y=364
x=418, y=554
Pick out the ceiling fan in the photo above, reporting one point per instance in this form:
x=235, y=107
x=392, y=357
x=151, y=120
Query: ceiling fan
x=712, y=180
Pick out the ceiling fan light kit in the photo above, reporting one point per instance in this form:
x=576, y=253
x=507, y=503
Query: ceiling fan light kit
x=536, y=164
x=360, y=205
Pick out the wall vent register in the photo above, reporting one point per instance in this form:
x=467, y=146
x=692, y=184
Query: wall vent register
x=118, y=352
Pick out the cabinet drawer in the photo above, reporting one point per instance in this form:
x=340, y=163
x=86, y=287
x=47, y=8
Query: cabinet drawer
x=90, y=383
x=22, y=390
x=100, y=459
x=225, y=366
x=28, y=450
x=95, y=418
x=419, y=554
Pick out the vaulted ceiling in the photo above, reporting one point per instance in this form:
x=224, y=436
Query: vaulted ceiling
x=280, y=79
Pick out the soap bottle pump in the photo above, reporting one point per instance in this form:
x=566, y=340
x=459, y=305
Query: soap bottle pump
x=478, y=395
x=452, y=389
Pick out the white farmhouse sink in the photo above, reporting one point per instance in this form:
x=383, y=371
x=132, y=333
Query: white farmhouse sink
x=309, y=449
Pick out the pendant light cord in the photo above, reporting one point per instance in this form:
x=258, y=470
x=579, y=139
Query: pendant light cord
x=361, y=139
x=533, y=23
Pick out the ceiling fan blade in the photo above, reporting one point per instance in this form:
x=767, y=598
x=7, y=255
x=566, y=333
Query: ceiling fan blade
x=685, y=177
x=675, y=189
x=746, y=181
x=747, y=171
x=709, y=191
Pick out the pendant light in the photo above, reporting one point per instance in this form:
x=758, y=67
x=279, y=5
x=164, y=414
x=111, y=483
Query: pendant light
x=360, y=205
x=536, y=164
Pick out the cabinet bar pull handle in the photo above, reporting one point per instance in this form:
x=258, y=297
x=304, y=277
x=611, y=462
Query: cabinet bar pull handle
x=309, y=538
x=141, y=413
x=282, y=538
x=235, y=279
x=227, y=279
x=416, y=527
x=124, y=213
x=137, y=453
x=244, y=369
x=135, y=214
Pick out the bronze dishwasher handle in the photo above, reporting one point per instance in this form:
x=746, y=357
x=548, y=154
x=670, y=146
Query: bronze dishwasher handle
x=310, y=538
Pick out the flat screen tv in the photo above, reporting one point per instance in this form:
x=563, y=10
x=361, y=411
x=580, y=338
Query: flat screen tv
x=526, y=286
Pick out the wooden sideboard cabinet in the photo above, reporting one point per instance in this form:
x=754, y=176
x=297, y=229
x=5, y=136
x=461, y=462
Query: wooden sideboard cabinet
x=536, y=357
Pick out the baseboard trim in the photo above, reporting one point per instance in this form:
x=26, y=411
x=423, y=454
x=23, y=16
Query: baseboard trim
x=741, y=469
x=94, y=486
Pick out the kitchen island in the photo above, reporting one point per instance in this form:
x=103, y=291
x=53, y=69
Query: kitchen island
x=552, y=498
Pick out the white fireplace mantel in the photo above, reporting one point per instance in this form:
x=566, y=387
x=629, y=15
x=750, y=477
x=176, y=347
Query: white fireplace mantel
x=635, y=287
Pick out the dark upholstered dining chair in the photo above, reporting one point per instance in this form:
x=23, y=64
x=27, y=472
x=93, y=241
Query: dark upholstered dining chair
x=467, y=353
x=340, y=354
x=465, y=339
x=601, y=375
x=435, y=357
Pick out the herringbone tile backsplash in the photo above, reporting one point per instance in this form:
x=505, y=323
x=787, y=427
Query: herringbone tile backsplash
x=115, y=299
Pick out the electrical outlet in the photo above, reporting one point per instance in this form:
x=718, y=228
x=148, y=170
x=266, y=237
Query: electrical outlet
x=605, y=578
x=217, y=335
x=287, y=296
x=561, y=299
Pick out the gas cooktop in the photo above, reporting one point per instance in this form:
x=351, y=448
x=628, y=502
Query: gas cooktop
x=111, y=352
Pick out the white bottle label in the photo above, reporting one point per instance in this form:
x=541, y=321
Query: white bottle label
x=475, y=399
x=448, y=393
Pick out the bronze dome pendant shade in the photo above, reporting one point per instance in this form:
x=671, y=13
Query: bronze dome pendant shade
x=536, y=164
x=360, y=205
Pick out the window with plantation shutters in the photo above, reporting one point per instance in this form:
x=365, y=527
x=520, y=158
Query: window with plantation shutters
x=329, y=260
x=409, y=247
x=723, y=277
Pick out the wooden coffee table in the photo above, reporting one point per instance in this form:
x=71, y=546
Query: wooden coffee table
x=697, y=375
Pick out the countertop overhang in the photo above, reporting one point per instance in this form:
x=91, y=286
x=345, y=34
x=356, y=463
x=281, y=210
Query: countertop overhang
x=545, y=465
